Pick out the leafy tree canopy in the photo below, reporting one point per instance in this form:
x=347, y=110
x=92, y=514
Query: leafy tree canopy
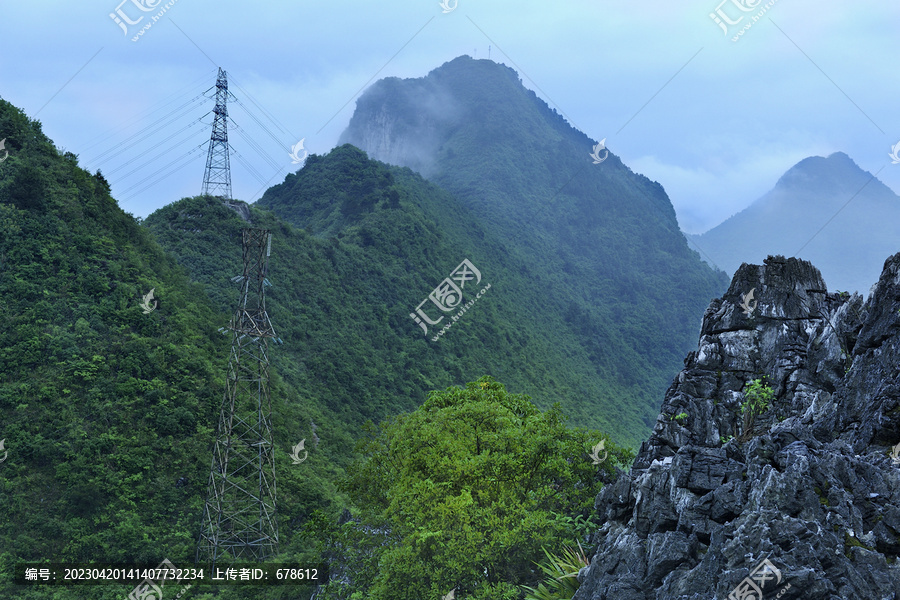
x=471, y=485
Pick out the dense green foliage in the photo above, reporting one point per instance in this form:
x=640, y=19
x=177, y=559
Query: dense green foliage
x=470, y=485
x=108, y=413
x=383, y=261
x=103, y=408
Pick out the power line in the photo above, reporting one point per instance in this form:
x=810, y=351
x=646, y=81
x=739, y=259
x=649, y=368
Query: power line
x=259, y=149
x=250, y=168
x=262, y=110
x=258, y=122
x=160, y=155
x=146, y=113
x=155, y=126
x=183, y=156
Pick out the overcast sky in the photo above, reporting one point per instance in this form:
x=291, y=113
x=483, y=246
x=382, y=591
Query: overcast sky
x=715, y=121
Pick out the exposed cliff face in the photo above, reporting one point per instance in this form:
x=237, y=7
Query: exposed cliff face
x=404, y=122
x=813, y=489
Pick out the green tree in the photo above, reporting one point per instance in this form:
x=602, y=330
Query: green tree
x=757, y=398
x=472, y=484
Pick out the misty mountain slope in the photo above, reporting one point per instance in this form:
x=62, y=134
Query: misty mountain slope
x=600, y=242
x=849, y=249
x=384, y=238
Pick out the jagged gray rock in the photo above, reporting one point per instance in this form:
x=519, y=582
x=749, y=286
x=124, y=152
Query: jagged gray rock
x=812, y=489
x=240, y=207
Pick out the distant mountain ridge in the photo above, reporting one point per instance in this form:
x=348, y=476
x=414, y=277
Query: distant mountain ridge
x=600, y=242
x=834, y=213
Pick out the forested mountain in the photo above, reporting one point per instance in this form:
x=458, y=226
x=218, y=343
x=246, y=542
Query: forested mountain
x=582, y=300
x=109, y=411
x=598, y=244
x=105, y=411
x=397, y=236
x=838, y=216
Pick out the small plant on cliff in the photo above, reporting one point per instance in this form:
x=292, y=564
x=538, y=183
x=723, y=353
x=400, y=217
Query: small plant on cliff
x=561, y=573
x=757, y=397
x=681, y=418
x=895, y=455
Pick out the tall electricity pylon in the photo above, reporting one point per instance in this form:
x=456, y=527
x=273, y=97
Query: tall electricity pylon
x=239, y=516
x=217, y=175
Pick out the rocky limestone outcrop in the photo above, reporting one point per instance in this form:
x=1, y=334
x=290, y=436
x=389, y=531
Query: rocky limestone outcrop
x=411, y=137
x=809, y=487
x=240, y=207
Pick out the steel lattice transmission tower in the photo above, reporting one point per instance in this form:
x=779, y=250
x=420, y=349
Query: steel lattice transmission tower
x=239, y=516
x=217, y=176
